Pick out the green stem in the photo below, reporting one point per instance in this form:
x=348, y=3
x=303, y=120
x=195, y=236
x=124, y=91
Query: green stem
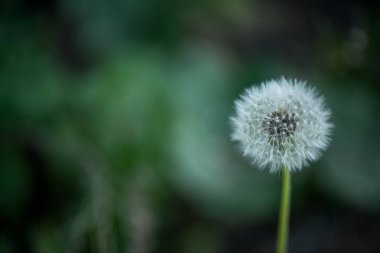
x=283, y=228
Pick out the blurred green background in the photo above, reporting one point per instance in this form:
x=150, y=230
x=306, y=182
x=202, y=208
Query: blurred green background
x=115, y=125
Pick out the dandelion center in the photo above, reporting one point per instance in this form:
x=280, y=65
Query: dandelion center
x=280, y=124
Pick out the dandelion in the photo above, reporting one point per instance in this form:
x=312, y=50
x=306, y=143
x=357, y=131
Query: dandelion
x=282, y=125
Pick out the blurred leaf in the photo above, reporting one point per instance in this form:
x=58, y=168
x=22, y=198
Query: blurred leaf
x=352, y=172
x=206, y=169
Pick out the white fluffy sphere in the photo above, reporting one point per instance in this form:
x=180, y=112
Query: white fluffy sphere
x=281, y=123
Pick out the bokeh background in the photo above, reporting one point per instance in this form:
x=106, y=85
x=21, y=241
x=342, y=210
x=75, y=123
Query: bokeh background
x=114, y=131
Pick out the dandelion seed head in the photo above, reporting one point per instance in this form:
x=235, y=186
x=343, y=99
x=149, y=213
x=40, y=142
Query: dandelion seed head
x=281, y=123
